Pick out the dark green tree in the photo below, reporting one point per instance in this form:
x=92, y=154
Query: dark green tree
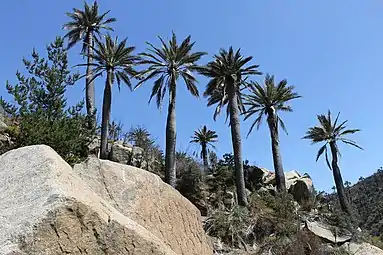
x=167, y=64
x=117, y=60
x=227, y=73
x=39, y=106
x=330, y=132
x=85, y=26
x=205, y=137
x=268, y=100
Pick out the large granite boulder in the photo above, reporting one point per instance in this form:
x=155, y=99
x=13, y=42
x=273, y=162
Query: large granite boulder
x=99, y=207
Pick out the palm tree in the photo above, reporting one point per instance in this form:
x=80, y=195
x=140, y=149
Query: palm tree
x=84, y=26
x=227, y=73
x=205, y=137
x=167, y=64
x=269, y=100
x=117, y=61
x=330, y=133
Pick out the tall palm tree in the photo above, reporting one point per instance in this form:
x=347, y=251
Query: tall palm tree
x=84, y=26
x=205, y=137
x=268, y=100
x=227, y=73
x=167, y=64
x=117, y=60
x=330, y=133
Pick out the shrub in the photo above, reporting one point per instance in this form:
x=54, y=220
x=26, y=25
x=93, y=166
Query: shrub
x=40, y=113
x=233, y=226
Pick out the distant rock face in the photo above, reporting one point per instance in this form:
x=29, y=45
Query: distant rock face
x=98, y=207
x=301, y=187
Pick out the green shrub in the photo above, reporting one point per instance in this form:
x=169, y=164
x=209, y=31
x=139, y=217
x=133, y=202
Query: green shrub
x=233, y=226
x=40, y=113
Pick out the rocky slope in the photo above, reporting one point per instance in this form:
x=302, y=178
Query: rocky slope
x=366, y=197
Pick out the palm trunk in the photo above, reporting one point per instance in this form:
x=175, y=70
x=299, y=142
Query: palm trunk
x=170, y=162
x=106, y=108
x=89, y=86
x=338, y=179
x=204, y=157
x=237, y=147
x=278, y=167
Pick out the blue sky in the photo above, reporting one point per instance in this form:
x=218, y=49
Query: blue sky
x=331, y=51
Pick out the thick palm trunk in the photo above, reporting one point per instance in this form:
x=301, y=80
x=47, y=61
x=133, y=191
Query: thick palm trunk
x=170, y=157
x=204, y=157
x=278, y=167
x=89, y=86
x=338, y=179
x=237, y=146
x=106, y=108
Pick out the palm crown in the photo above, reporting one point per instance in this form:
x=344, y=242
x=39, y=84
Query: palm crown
x=86, y=22
x=330, y=132
x=228, y=67
x=116, y=57
x=204, y=136
x=267, y=100
x=168, y=63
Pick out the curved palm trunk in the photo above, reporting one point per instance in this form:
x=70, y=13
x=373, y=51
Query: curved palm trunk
x=237, y=147
x=106, y=107
x=204, y=157
x=278, y=167
x=170, y=157
x=338, y=179
x=89, y=86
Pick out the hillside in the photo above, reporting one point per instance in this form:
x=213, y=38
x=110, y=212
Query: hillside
x=366, y=196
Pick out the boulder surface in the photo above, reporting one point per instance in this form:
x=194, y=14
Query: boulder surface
x=362, y=249
x=48, y=208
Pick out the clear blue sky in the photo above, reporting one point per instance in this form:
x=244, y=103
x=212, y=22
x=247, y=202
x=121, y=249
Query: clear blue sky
x=331, y=51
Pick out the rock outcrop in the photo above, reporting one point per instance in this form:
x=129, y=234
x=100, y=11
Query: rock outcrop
x=326, y=232
x=362, y=249
x=301, y=187
x=3, y=126
x=123, y=153
x=100, y=207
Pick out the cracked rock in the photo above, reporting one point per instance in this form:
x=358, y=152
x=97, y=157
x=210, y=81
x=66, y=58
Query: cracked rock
x=48, y=208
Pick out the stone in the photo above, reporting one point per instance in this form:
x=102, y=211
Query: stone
x=137, y=157
x=302, y=189
x=229, y=199
x=46, y=207
x=2, y=114
x=3, y=126
x=146, y=199
x=255, y=176
x=6, y=143
x=120, y=154
x=94, y=146
x=291, y=177
x=362, y=249
x=325, y=232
